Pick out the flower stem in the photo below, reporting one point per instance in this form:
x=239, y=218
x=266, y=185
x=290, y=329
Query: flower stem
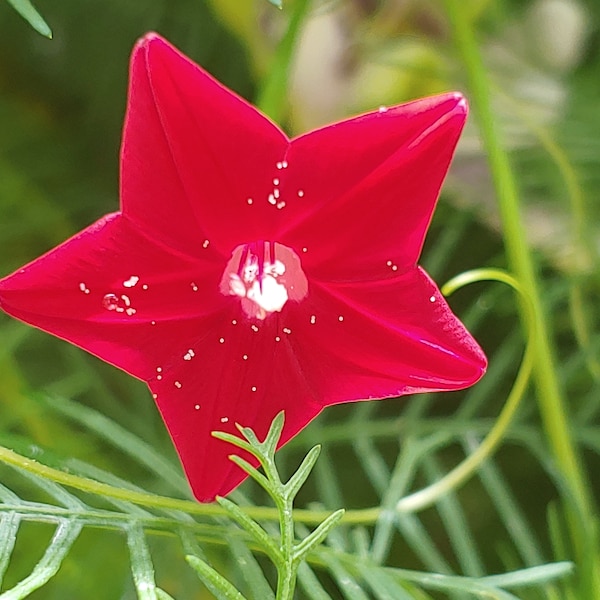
x=272, y=95
x=549, y=393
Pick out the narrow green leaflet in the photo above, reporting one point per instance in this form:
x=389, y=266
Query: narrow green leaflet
x=214, y=581
x=33, y=17
x=277, y=3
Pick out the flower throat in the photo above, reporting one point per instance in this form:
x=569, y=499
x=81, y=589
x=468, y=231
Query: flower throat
x=264, y=275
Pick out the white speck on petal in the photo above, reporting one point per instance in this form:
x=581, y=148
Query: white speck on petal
x=145, y=286
x=300, y=193
x=159, y=369
x=194, y=286
x=272, y=199
x=178, y=385
x=224, y=419
x=245, y=357
x=432, y=299
x=383, y=109
x=205, y=243
x=197, y=406
x=284, y=164
x=275, y=181
x=234, y=322
x=287, y=330
x=281, y=205
x=131, y=282
x=222, y=340
x=249, y=201
x=253, y=388
x=305, y=249
x=313, y=319
x=277, y=338
x=152, y=322
x=254, y=328
x=340, y=318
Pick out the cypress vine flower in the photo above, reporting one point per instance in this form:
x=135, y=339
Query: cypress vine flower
x=248, y=273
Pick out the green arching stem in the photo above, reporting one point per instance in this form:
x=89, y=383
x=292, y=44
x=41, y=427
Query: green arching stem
x=457, y=476
x=272, y=96
x=549, y=393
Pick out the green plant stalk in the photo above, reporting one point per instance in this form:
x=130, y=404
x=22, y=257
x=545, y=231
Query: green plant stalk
x=549, y=394
x=286, y=566
x=271, y=98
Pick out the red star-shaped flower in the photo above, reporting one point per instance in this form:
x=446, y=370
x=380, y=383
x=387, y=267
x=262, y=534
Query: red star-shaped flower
x=247, y=273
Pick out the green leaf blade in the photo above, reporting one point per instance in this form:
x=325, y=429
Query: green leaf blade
x=32, y=16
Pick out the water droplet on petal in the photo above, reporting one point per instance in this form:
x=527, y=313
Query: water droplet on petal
x=110, y=302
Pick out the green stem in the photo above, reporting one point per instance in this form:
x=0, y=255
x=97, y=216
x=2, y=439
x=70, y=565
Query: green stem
x=308, y=517
x=273, y=94
x=456, y=477
x=549, y=394
x=286, y=567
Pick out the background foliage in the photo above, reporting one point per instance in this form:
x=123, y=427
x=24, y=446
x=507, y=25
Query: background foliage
x=61, y=108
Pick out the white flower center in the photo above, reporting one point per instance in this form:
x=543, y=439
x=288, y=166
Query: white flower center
x=264, y=275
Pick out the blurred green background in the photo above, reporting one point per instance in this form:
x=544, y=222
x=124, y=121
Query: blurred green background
x=62, y=103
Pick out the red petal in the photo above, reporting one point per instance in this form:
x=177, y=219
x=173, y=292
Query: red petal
x=382, y=339
x=369, y=187
x=106, y=259
x=214, y=390
x=194, y=153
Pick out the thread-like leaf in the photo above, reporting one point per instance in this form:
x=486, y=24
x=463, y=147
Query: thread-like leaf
x=32, y=16
x=213, y=580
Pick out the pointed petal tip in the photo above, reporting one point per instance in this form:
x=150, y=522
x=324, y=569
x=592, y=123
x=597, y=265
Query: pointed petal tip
x=148, y=38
